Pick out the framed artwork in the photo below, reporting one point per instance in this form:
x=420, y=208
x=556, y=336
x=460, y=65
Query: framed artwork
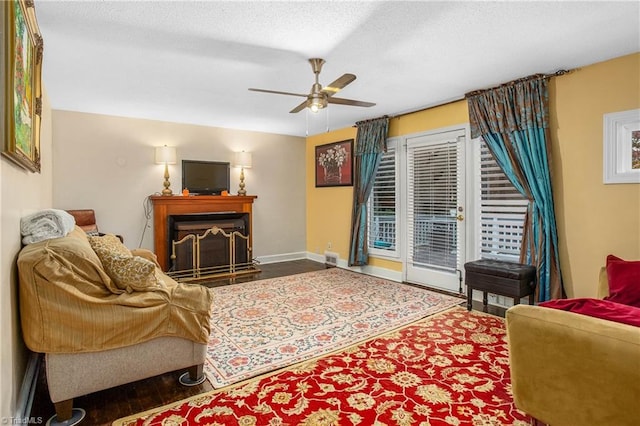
x=22, y=85
x=621, y=147
x=334, y=164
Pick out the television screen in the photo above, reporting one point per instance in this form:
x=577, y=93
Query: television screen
x=205, y=177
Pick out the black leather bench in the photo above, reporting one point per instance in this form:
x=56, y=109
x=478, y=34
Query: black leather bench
x=509, y=279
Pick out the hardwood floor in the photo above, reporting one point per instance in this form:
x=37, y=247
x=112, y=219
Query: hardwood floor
x=108, y=405
x=104, y=407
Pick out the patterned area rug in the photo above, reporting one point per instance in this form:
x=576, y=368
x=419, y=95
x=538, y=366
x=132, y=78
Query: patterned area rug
x=449, y=369
x=264, y=325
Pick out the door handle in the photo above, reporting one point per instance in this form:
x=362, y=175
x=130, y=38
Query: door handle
x=459, y=218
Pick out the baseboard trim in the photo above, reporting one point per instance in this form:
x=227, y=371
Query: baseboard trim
x=316, y=257
x=375, y=271
x=28, y=388
x=285, y=257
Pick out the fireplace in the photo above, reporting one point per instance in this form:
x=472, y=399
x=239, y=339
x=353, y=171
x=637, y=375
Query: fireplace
x=203, y=245
x=165, y=206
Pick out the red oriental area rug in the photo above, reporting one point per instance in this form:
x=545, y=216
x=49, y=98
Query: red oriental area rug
x=264, y=325
x=449, y=369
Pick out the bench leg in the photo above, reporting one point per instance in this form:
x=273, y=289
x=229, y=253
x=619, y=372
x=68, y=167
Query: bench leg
x=469, y=297
x=485, y=301
x=531, y=299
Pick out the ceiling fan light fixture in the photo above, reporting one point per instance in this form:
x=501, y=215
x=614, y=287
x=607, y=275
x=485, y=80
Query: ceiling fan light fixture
x=316, y=102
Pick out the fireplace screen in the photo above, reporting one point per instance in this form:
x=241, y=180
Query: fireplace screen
x=208, y=245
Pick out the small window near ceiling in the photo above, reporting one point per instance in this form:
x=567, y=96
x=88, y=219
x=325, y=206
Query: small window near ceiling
x=502, y=211
x=383, y=206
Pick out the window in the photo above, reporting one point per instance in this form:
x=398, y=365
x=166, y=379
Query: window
x=383, y=205
x=502, y=211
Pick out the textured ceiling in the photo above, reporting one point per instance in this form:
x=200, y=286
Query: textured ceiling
x=193, y=61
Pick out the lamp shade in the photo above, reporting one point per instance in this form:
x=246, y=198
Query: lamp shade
x=165, y=155
x=242, y=159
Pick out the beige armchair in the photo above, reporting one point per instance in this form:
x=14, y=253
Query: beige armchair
x=95, y=334
x=569, y=369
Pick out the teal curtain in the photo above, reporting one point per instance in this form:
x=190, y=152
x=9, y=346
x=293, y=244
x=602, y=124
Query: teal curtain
x=371, y=142
x=513, y=120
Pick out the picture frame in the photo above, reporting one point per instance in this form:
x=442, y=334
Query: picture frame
x=621, y=147
x=22, y=85
x=334, y=164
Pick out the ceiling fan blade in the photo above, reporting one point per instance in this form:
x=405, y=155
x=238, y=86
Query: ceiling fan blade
x=277, y=92
x=299, y=108
x=338, y=84
x=351, y=102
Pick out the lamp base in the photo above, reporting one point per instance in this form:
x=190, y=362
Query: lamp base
x=166, y=191
x=242, y=191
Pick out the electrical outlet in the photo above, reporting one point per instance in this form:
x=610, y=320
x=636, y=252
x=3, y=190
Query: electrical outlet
x=329, y=245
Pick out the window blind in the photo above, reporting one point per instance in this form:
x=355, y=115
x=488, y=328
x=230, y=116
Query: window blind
x=502, y=211
x=383, y=222
x=432, y=204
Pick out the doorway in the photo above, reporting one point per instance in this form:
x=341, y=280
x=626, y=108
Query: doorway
x=435, y=213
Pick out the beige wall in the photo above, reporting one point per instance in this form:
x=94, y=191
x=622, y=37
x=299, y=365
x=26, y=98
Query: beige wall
x=22, y=193
x=593, y=219
x=107, y=163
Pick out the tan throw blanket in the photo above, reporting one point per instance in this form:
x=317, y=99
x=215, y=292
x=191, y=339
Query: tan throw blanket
x=66, y=305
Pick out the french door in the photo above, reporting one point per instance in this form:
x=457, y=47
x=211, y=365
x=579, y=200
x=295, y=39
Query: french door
x=435, y=244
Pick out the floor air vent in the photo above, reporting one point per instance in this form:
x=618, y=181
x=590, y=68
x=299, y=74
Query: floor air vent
x=330, y=259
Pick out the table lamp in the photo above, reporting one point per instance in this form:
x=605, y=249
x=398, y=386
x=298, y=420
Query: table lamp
x=166, y=155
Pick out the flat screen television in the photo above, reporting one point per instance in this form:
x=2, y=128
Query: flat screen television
x=205, y=177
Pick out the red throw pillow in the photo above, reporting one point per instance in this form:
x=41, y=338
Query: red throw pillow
x=604, y=309
x=624, y=281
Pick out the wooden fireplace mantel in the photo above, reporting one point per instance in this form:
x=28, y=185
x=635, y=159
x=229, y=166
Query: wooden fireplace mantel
x=165, y=206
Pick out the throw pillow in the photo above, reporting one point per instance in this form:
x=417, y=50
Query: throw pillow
x=624, y=281
x=130, y=273
x=597, y=308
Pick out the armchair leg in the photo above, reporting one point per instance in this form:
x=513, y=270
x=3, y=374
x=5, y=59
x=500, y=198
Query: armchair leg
x=66, y=414
x=194, y=376
x=64, y=409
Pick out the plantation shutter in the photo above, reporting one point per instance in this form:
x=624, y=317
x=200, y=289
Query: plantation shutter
x=383, y=205
x=432, y=203
x=502, y=211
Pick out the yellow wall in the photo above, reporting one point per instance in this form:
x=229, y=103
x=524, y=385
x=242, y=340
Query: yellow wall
x=329, y=209
x=593, y=219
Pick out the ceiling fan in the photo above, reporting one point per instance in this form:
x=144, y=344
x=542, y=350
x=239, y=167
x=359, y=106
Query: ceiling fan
x=320, y=96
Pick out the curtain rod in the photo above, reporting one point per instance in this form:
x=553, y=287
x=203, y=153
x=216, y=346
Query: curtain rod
x=475, y=92
x=520, y=80
x=411, y=111
x=370, y=120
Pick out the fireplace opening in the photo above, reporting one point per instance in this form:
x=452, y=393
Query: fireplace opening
x=202, y=245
